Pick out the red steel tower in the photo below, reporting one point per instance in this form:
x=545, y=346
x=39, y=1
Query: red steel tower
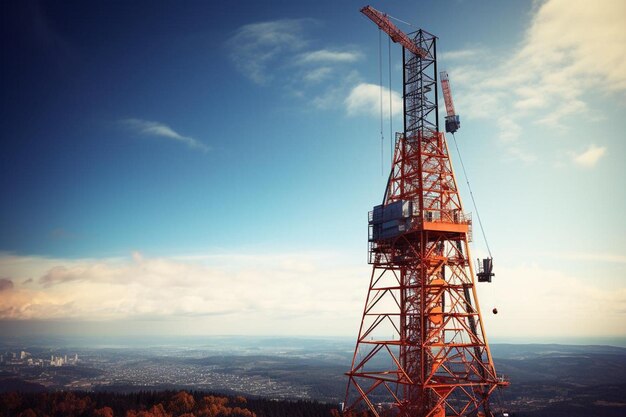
x=421, y=349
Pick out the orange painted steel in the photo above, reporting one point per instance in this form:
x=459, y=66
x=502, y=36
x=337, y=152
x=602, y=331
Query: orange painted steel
x=447, y=95
x=396, y=35
x=421, y=350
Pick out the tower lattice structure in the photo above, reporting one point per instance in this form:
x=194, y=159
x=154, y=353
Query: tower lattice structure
x=421, y=349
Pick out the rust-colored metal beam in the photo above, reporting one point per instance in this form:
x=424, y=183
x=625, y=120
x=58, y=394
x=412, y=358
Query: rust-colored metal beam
x=396, y=35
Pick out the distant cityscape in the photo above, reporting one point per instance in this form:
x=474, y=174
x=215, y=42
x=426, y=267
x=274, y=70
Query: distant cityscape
x=543, y=377
x=24, y=358
x=130, y=369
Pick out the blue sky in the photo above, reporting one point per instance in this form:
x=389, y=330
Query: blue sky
x=195, y=165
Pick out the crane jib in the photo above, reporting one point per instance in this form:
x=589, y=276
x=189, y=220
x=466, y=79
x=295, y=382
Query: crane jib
x=396, y=35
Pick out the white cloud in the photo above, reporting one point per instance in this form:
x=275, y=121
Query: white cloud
x=579, y=39
x=587, y=257
x=318, y=74
x=569, y=49
x=331, y=98
x=509, y=129
x=459, y=55
x=509, y=136
x=328, y=56
x=258, y=46
x=590, y=157
x=287, y=293
x=236, y=287
x=279, y=53
x=529, y=99
x=561, y=305
x=334, y=96
x=149, y=128
x=365, y=99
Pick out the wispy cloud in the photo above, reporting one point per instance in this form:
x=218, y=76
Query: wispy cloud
x=461, y=54
x=545, y=80
x=318, y=74
x=280, y=53
x=365, y=99
x=590, y=157
x=258, y=46
x=328, y=56
x=150, y=128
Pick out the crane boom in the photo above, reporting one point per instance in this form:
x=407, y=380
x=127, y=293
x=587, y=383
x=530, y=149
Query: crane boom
x=447, y=95
x=453, y=122
x=396, y=35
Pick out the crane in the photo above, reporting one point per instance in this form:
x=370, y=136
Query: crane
x=396, y=35
x=453, y=123
x=485, y=269
x=421, y=349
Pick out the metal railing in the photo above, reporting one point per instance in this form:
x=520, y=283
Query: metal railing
x=447, y=216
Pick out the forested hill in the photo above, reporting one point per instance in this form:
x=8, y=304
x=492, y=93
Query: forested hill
x=153, y=404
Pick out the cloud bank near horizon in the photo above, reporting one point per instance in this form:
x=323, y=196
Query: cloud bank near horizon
x=273, y=294
x=245, y=289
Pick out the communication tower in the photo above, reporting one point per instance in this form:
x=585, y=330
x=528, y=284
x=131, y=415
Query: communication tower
x=421, y=349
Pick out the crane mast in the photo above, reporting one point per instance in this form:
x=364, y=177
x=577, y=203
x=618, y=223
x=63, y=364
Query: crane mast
x=421, y=350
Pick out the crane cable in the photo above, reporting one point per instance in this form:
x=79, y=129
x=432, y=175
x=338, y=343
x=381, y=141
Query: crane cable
x=390, y=109
x=399, y=20
x=380, y=76
x=498, y=394
x=380, y=80
x=480, y=223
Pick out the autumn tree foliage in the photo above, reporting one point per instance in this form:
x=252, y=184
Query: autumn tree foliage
x=71, y=405
x=155, y=411
x=181, y=403
x=154, y=404
x=213, y=406
x=103, y=412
